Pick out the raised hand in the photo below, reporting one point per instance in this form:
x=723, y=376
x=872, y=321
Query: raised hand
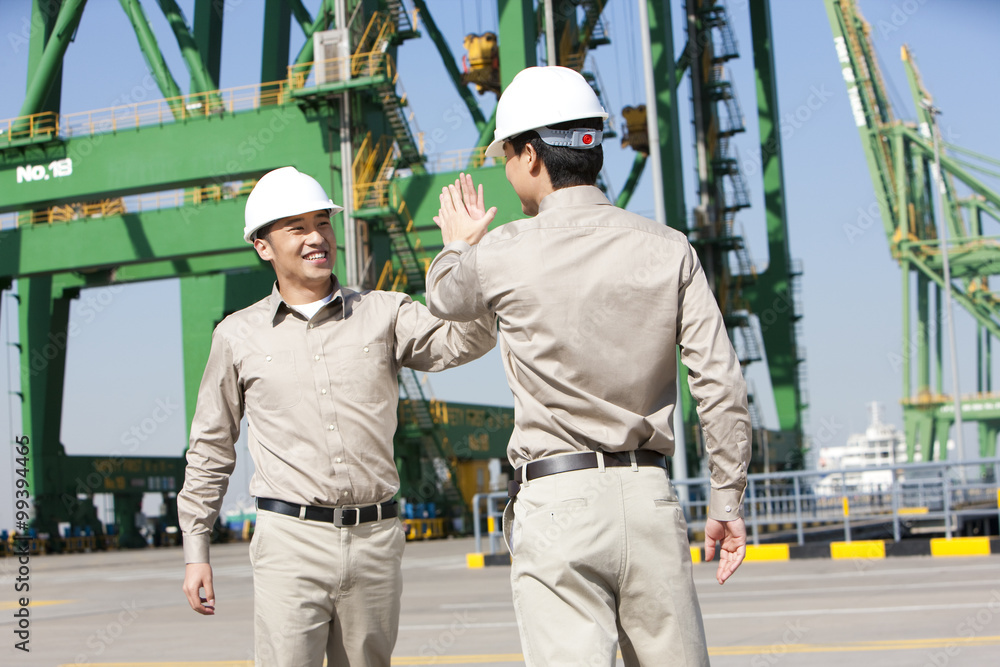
x=463, y=216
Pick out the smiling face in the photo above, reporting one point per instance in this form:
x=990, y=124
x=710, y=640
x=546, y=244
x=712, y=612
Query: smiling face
x=302, y=250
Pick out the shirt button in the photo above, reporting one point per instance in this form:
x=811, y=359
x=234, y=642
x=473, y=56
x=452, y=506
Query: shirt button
x=334, y=428
x=366, y=348
x=316, y=357
x=311, y=325
x=322, y=391
x=268, y=357
x=728, y=508
x=338, y=459
x=344, y=494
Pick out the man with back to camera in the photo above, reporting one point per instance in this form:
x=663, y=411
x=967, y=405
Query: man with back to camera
x=593, y=302
x=315, y=366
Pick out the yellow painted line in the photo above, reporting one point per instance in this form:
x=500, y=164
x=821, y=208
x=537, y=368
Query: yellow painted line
x=854, y=647
x=475, y=561
x=695, y=554
x=960, y=546
x=913, y=510
x=767, y=552
x=763, y=649
x=860, y=549
x=4, y=606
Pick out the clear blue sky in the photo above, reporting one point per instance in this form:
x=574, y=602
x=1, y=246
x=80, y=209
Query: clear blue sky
x=124, y=365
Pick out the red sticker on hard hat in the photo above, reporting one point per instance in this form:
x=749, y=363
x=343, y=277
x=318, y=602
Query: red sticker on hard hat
x=576, y=138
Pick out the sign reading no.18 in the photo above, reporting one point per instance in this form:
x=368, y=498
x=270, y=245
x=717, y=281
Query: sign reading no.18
x=37, y=172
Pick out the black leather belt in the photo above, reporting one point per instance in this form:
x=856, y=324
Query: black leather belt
x=338, y=516
x=552, y=465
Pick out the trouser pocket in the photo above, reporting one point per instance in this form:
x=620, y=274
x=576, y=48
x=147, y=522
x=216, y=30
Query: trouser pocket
x=508, y=525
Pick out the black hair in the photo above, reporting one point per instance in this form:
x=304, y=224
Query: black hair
x=264, y=232
x=566, y=166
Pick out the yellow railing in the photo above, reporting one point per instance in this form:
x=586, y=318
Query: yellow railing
x=382, y=26
x=132, y=204
x=45, y=123
x=391, y=279
x=466, y=158
x=362, y=167
x=153, y=112
x=371, y=168
x=186, y=107
x=372, y=64
x=198, y=105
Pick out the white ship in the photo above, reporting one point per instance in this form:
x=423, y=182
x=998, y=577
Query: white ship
x=880, y=445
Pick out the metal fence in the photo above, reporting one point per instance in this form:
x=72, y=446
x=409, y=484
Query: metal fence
x=939, y=497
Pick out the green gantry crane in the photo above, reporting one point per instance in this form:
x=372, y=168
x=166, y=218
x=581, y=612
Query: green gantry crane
x=81, y=206
x=901, y=159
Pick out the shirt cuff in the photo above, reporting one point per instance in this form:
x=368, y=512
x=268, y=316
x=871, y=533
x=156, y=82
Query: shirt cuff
x=457, y=247
x=196, y=548
x=725, y=505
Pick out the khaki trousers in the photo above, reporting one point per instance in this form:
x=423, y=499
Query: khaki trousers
x=600, y=560
x=322, y=591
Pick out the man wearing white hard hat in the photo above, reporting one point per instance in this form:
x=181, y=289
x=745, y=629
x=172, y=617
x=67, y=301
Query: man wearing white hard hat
x=593, y=304
x=314, y=368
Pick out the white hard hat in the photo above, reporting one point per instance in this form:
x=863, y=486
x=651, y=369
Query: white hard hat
x=282, y=193
x=541, y=96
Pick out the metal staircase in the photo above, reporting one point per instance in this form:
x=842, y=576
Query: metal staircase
x=592, y=34
x=376, y=197
x=393, y=104
x=420, y=427
x=412, y=268
x=401, y=19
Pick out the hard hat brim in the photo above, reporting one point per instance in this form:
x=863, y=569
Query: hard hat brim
x=334, y=209
x=495, y=149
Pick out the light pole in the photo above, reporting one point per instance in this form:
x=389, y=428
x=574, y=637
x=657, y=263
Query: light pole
x=933, y=111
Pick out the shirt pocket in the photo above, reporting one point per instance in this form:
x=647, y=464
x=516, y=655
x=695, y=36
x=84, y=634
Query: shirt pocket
x=272, y=381
x=364, y=373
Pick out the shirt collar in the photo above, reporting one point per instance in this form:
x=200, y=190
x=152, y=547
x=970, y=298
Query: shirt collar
x=573, y=196
x=277, y=300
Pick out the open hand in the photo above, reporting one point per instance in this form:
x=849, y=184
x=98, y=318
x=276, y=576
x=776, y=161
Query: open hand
x=733, y=535
x=463, y=215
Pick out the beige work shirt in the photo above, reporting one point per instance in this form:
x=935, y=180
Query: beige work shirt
x=593, y=302
x=320, y=396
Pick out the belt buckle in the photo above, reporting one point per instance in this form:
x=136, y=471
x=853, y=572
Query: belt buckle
x=338, y=517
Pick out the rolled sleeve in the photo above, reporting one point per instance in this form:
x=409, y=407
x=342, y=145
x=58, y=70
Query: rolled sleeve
x=454, y=289
x=211, y=456
x=717, y=385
